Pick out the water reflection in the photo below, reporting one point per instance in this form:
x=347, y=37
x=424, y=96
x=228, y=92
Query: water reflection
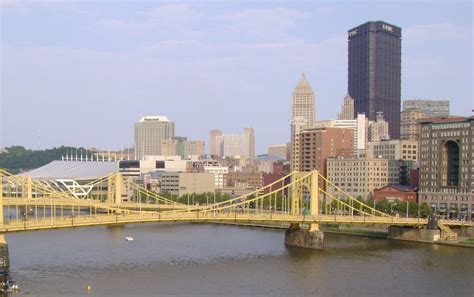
x=216, y=260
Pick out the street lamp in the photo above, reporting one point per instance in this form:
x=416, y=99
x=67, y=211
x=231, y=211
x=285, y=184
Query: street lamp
x=407, y=209
x=391, y=207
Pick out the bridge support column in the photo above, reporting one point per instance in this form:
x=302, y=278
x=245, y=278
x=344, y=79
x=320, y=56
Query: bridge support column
x=4, y=255
x=295, y=195
x=28, y=187
x=413, y=234
x=118, y=189
x=311, y=238
x=305, y=238
x=314, y=199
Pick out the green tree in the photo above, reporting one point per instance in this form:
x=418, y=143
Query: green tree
x=18, y=159
x=425, y=210
x=383, y=205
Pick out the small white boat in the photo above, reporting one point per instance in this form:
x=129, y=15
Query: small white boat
x=129, y=238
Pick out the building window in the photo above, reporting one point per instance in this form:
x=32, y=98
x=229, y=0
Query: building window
x=451, y=152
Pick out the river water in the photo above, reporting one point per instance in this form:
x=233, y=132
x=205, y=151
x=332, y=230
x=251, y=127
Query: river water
x=219, y=260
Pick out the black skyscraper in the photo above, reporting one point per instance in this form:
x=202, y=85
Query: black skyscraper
x=375, y=71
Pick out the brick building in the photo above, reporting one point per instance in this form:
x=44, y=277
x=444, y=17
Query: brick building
x=318, y=144
x=394, y=192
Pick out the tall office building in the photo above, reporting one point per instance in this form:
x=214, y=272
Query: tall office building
x=213, y=145
x=181, y=146
x=409, y=123
x=359, y=126
x=232, y=145
x=280, y=150
x=415, y=110
x=318, y=144
x=347, y=110
x=375, y=71
x=150, y=131
x=432, y=108
x=378, y=129
x=302, y=116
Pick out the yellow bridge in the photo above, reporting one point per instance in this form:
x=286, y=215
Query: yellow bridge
x=296, y=199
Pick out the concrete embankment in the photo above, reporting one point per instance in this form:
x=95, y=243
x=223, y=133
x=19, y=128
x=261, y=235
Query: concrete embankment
x=374, y=231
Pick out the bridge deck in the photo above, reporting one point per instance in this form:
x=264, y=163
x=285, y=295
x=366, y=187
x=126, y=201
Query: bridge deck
x=104, y=220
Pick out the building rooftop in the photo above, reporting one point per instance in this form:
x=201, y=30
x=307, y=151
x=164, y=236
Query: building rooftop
x=303, y=83
x=403, y=188
x=445, y=119
x=154, y=118
x=268, y=157
x=78, y=170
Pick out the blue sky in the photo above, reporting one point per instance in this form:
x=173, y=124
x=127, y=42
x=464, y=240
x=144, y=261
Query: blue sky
x=83, y=72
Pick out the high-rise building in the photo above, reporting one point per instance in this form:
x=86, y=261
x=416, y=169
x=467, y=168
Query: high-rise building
x=375, y=71
x=415, y=110
x=231, y=145
x=432, y=108
x=359, y=125
x=347, y=109
x=213, y=145
x=409, y=126
x=318, y=144
x=150, y=131
x=280, y=150
x=181, y=146
x=302, y=115
x=446, y=165
x=378, y=129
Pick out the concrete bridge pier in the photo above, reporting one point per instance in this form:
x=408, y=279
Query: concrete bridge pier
x=4, y=255
x=311, y=238
x=413, y=234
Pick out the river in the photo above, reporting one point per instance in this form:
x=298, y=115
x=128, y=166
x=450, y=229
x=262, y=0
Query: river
x=219, y=260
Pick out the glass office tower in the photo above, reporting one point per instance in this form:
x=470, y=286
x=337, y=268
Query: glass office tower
x=375, y=72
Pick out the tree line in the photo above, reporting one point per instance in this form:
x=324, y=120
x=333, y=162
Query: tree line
x=392, y=207
x=16, y=159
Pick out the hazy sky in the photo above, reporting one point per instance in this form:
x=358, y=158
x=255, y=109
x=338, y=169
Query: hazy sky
x=82, y=73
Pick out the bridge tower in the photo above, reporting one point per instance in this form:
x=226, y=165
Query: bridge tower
x=310, y=237
x=28, y=188
x=4, y=255
x=295, y=193
x=114, y=189
x=118, y=189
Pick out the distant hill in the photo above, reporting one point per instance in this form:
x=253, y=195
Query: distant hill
x=17, y=159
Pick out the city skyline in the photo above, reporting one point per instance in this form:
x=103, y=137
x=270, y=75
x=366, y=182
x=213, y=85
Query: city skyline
x=129, y=83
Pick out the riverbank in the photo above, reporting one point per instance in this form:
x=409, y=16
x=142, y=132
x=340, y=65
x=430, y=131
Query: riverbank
x=373, y=231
